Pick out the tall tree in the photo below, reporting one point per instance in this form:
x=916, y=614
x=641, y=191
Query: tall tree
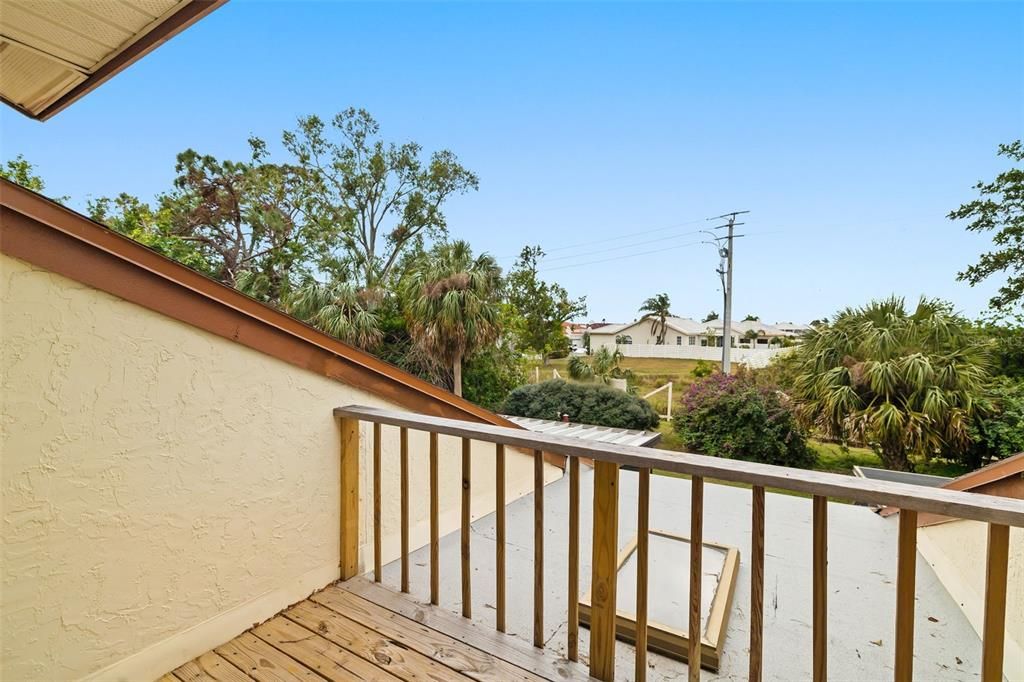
x=657, y=311
x=710, y=317
x=1000, y=208
x=452, y=305
x=902, y=382
x=385, y=194
x=539, y=308
x=252, y=220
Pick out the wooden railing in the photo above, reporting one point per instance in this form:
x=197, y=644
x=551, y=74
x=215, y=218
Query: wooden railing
x=999, y=513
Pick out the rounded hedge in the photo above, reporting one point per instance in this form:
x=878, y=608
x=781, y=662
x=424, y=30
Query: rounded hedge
x=731, y=416
x=584, y=403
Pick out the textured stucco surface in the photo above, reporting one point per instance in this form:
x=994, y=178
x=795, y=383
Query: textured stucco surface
x=956, y=551
x=155, y=477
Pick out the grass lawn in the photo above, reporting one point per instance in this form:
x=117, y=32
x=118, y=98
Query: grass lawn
x=648, y=374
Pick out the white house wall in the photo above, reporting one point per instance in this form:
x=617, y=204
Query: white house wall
x=751, y=357
x=956, y=551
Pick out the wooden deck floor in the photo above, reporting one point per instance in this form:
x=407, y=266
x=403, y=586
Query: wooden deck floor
x=361, y=631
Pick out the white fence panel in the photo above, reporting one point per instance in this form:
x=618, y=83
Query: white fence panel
x=751, y=357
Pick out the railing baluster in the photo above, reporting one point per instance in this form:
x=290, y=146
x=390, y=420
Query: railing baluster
x=604, y=564
x=467, y=592
x=906, y=565
x=435, y=546
x=996, y=565
x=819, y=568
x=538, y=549
x=694, y=631
x=499, y=477
x=404, y=456
x=756, y=583
x=349, y=560
x=642, y=539
x=377, y=572
x=574, y=559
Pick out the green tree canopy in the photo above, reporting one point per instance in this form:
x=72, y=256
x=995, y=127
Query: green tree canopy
x=656, y=310
x=19, y=171
x=710, y=317
x=452, y=305
x=1000, y=208
x=539, y=308
x=900, y=381
x=386, y=196
x=134, y=218
x=254, y=221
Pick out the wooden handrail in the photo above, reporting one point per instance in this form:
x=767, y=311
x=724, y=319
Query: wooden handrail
x=988, y=508
x=603, y=617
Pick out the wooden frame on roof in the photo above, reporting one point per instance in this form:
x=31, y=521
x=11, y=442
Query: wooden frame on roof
x=40, y=75
x=667, y=640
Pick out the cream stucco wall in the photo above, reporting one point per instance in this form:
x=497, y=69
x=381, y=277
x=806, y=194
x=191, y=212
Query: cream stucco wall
x=956, y=551
x=163, y=488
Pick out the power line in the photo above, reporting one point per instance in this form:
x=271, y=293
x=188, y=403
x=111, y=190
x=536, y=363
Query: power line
x=617, y=258
x=612, y=239
x=620, y=246
x=542, y=269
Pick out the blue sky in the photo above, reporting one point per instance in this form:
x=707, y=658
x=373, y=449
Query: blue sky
x=611, y=131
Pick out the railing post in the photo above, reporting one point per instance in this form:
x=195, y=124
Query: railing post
x=906, y=577
x=349, y=561
x=996, y=565
x=574, y=559
x=819, y=578
x=604, y=565
x=756, y=584
x=694, y=633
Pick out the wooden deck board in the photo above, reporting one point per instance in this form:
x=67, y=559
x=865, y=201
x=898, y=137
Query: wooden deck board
x=506, y=647
x=392, y=656
x=263, y=662
x=316, y=652
x=469, y=661
x=357, y=630
x=210, y=666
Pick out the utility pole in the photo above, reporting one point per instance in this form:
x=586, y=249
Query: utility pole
x=725, y=273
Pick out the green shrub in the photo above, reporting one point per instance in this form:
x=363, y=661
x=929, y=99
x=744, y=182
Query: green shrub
x=584, y=403
x=733, y=417
x=490, y=375
x=702, y=369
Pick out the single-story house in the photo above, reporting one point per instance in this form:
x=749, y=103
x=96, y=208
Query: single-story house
x=683, y=331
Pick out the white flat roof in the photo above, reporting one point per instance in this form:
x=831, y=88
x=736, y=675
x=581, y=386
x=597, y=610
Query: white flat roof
x=599, y=434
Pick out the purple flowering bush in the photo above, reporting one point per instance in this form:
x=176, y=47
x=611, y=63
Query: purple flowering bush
x=733, y=417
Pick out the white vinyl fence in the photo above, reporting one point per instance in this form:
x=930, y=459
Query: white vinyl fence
x=751, y=357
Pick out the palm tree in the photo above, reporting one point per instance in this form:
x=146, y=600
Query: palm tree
x=657, y=309
x=902, y=382
x=603, y=365
x=451, y=305
x=339, y=309
x=752, y=335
